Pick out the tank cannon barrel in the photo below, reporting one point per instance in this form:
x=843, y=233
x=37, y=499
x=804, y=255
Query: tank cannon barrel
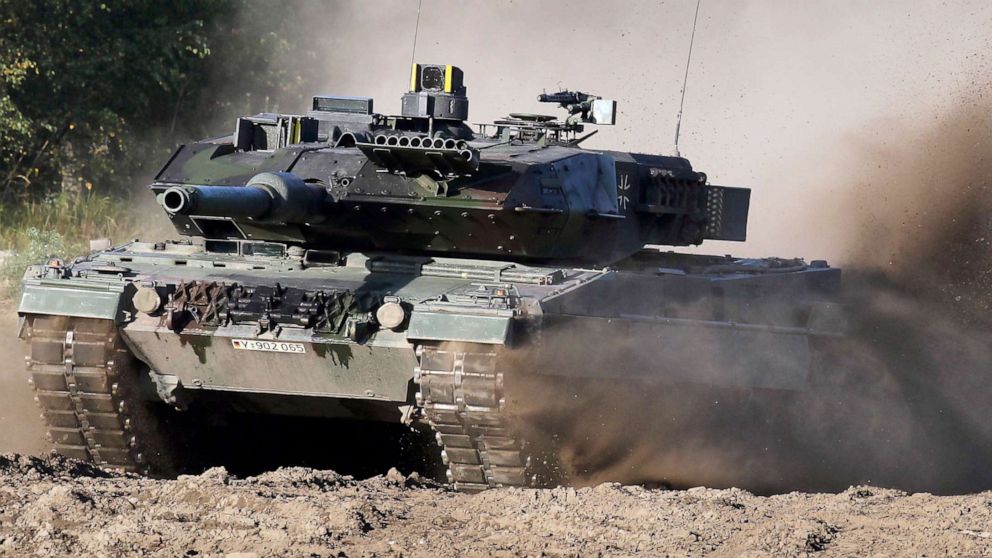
x=266, y=197
x=218, y=201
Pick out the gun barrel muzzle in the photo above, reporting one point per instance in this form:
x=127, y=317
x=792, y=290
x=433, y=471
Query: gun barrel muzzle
x=217, y=201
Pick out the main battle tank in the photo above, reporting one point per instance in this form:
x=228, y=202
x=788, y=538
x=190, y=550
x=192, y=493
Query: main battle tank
x=412, y=269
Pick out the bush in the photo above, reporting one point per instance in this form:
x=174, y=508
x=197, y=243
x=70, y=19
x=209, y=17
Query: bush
x=37, y=246
x=61, y=225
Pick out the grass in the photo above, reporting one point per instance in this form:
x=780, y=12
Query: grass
x=61, y=225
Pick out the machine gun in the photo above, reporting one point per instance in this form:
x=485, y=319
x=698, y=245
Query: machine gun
x=583, y=107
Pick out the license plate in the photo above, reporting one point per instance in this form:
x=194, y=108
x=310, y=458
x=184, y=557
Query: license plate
x=269, y=346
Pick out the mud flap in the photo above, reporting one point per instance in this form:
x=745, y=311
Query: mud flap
x=467, y=328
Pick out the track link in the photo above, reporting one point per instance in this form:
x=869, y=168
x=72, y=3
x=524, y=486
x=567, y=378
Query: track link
x=461, y=393
x=85, y=383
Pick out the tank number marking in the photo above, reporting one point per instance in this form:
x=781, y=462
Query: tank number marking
x=270, y=346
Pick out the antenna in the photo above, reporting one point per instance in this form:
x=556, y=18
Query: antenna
x=685, y=78
x=416, y=30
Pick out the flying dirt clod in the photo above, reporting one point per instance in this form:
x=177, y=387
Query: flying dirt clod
x=410, y=269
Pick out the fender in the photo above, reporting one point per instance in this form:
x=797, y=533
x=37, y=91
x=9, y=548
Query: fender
x=76, y=297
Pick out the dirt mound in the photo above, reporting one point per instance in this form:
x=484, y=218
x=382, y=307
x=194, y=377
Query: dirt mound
x=58, y=507
x=300, y=477
x=52, y=466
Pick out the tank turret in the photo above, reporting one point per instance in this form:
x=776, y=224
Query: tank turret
x=520, y=189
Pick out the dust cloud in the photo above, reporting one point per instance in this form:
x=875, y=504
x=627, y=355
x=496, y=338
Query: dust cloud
x=21, y=427
x=863, y=130
x=901, y=401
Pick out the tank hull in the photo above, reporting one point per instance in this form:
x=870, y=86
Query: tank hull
x=743, y=329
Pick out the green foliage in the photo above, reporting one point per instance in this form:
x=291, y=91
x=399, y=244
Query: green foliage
x=79, y=216
x=15, y=128
x=94, y=96
x=59, y=225
x=37, y=246
x=80, y=72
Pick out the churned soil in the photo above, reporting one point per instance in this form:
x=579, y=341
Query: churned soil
x=51, y=506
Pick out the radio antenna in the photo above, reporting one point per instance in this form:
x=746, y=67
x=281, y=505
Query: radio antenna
x=416, y=30
x=685, y=78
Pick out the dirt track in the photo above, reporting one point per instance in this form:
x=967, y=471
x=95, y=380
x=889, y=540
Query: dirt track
x=51, y=507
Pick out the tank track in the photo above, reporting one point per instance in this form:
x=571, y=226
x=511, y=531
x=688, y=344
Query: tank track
x=85, y=382
x=462, y=396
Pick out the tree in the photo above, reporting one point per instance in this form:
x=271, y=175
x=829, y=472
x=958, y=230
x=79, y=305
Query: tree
x=95, y=95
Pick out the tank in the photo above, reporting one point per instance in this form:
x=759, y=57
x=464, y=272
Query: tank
x=416, y=270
